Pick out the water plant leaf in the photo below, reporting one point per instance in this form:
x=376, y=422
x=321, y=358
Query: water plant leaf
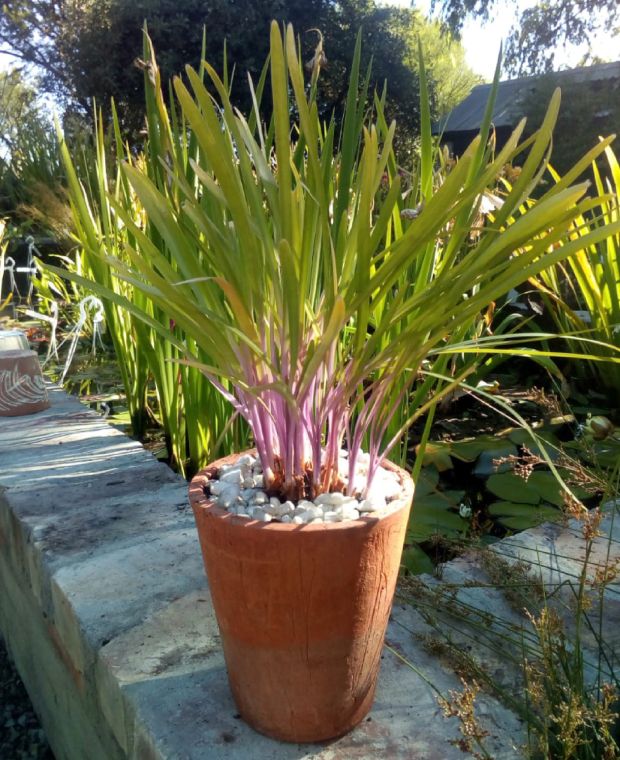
x=546, y=484
x=342, y=309
x=487, y=463
x=469, y=451
x=416, y=560
x=522, y=516
x=607, y=453
x=434, y=513
x=512, y=488
x=427, y=481
x=437, y=454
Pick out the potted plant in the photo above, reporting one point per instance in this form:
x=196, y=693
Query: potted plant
x=295, y=283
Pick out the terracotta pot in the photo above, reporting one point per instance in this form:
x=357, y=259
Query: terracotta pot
x=13, y=340
x=22, y=389
x=302, y=611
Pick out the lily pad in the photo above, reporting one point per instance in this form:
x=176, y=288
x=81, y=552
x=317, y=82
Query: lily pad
x=546, y=484
x=434, y=513
x=416, y=561
x=522, y=437
x=552, y=450
x=469, y=451
x=437, y=453
x=485, y=466
x=427, y=481
x=512, y=488
x=120, y=420
x=607, y=453
x=522, y=516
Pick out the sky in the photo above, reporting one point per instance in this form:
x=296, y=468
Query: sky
x=482, y=41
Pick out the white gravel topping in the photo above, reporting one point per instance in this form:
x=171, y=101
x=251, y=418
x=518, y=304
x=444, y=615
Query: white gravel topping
x=238, y=489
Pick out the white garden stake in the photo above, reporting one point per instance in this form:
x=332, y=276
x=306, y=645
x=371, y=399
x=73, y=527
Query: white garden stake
x=30, y=268
x=52, y=320
x=95, y=305
x=9, y=266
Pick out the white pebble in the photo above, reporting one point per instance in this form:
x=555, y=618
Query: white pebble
x=308, y=516
x=232, y=476
x=332, y=517
x=323, y=498
x=314, y=510
x=286, y=519
x=384, y=489
x=278, y=510
x=347, y=512
x=248, y=483
x=259, y=498
x=228, y=497
x=259, y=480
x=337, y=499
x=245, y=460
x=216, y=488
x=375, y=504
x=298, y=520
x=263, y=518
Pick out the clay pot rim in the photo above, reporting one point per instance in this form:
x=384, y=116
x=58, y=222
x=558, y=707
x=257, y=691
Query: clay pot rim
x=17, y=353
x=199, y=500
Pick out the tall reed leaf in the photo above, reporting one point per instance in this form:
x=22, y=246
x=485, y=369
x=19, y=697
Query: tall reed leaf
x=286, y=262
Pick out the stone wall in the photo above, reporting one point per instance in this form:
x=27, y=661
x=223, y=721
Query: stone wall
x=105, y=609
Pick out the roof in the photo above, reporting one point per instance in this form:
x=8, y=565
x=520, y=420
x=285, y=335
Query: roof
x=511, y=94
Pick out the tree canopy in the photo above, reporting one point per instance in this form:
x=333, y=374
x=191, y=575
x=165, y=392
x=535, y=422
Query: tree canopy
x=541, y=29
x=18, y=106
x=87, y=49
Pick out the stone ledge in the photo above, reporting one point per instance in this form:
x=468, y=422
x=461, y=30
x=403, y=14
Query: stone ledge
x=107, y=614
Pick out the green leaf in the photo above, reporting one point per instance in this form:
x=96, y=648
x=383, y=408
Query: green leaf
x=437, y=454
x=416, y=561
x=469, y=451
x=546, y=484
x=607, y=453
x=433, y=514
x=427, y=481
x=512, y=488
x=487, y=463
x=522, y=516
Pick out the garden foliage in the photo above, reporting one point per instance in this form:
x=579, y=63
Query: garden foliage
x=291, y=279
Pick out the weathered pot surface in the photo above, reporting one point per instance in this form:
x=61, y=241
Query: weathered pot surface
x=302, y=611
x=13, y=340
x=22, y=389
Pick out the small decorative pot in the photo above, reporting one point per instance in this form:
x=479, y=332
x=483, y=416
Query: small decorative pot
x=13, y=340
x=302, y=611
x=22, y=389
